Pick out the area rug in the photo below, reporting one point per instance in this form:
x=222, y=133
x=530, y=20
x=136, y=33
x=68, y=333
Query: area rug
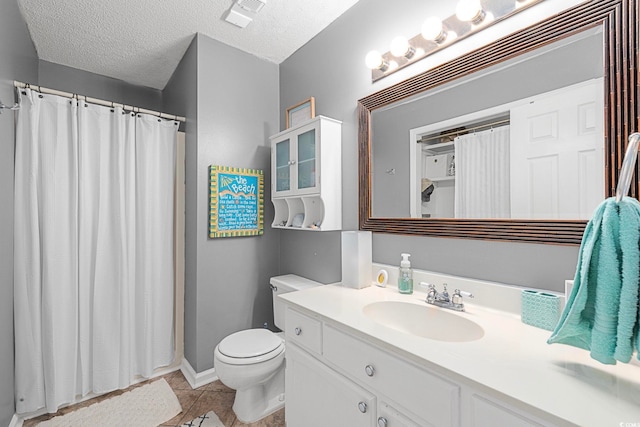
x=149, y=405
x=210, y=419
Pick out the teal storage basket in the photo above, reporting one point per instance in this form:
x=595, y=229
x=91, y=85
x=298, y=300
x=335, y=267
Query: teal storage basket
x=540, y=309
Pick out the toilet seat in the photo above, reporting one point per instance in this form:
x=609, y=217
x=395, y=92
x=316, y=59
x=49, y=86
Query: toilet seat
x=249, y=346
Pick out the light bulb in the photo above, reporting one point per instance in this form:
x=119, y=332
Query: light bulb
x=400, y=47
x=374, y=60
x=433, y=30
x=470, y=11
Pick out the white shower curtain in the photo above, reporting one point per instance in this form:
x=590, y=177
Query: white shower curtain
x=93, y=262
x=482, y=174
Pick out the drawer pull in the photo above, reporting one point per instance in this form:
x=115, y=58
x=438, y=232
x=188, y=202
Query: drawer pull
x=363, y=407
x=382, y=422
x=369, y=370
x=298, y=331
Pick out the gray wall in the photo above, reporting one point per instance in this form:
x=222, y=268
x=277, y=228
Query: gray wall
x=18, y=61
x=227, y=279
x=67, y=79
x=311, y=255
x=331, y=68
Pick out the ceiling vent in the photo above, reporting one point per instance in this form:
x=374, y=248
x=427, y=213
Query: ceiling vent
x=252, y=5
x=242, y=11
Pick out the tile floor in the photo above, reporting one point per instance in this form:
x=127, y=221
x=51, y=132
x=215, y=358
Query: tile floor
x=215, y=396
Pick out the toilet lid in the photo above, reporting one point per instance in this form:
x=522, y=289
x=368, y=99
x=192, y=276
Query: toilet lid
x=250, y=343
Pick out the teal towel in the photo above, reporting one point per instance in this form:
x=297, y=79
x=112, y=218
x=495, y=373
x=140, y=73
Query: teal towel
x=601, y=314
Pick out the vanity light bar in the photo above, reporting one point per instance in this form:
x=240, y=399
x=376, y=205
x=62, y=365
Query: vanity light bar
x=472, y=16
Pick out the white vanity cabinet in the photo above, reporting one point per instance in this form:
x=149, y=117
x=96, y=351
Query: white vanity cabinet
x=388, y=416
x=319, y=397
x=350, y=383
x=336, y=378
x=482, y=410
x=306, y=183
x=427, y=396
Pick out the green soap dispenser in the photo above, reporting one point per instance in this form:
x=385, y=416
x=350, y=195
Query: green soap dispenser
x=405, y=278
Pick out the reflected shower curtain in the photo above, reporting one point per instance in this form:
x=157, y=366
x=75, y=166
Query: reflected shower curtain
x=482, y=174
x=93, y=243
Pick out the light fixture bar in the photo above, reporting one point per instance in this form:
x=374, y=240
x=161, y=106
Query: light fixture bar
x=453, y=30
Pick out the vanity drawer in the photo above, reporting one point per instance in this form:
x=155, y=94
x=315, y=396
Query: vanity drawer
x=303, y=330
x=388, y=416
x=430, y=397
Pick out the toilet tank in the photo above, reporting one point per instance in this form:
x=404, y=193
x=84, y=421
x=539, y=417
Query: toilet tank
x=283, y=284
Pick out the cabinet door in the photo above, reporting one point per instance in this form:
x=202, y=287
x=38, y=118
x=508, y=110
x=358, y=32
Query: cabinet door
x=484, y=412
x=317, y=396
x=307, y=161
x=282, y=168
x=391, y=417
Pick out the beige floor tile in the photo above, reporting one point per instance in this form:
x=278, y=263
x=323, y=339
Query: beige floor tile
x=177, y=381
x=186, y=398
x=34, y=421
x=274, y=420
x=219, y=402
x=218, y=386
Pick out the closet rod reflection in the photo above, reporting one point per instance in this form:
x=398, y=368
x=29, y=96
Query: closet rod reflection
x=459, y=132
x=97, y=101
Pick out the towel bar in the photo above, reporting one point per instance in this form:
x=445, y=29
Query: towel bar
x=627, y=166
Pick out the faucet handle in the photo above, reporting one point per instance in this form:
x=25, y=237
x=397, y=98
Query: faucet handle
x=463, y=293
x=456, y=300
x=427, y=285
x=431, y=292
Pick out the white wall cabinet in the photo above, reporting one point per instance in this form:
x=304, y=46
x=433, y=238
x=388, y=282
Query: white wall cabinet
x=306, y=183
x=335, y=378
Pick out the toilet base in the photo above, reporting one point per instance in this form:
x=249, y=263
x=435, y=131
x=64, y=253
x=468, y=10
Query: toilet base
x=255, y=403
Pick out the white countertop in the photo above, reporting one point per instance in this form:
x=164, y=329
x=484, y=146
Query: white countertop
x=511, y=358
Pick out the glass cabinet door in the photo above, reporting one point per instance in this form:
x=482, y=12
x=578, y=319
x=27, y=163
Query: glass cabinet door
x=307, y=159
x=283, y=166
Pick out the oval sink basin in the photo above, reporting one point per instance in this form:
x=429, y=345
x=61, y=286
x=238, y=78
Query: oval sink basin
x=423, y=321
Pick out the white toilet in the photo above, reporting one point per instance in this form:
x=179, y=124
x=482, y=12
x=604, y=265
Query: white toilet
x=252, y=361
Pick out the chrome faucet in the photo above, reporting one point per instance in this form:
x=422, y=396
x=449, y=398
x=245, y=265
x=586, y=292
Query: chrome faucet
x=442, y=299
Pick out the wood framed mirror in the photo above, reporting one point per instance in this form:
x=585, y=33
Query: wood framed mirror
x=618, y=20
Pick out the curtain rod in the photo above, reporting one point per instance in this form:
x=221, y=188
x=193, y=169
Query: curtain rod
x=97, y=101
x=459, y=132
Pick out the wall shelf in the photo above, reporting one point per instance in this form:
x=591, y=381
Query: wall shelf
x=307, y=176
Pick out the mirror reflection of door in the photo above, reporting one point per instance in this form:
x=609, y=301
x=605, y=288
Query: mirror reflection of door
x=559, y=131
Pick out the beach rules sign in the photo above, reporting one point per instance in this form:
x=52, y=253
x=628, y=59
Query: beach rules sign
x=236, y=202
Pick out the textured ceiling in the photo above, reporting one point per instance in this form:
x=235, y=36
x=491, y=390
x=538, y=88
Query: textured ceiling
x=142, y=41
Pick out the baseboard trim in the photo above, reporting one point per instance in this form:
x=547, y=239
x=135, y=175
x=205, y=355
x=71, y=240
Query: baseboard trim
x=16, y=421
x=197, y=379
